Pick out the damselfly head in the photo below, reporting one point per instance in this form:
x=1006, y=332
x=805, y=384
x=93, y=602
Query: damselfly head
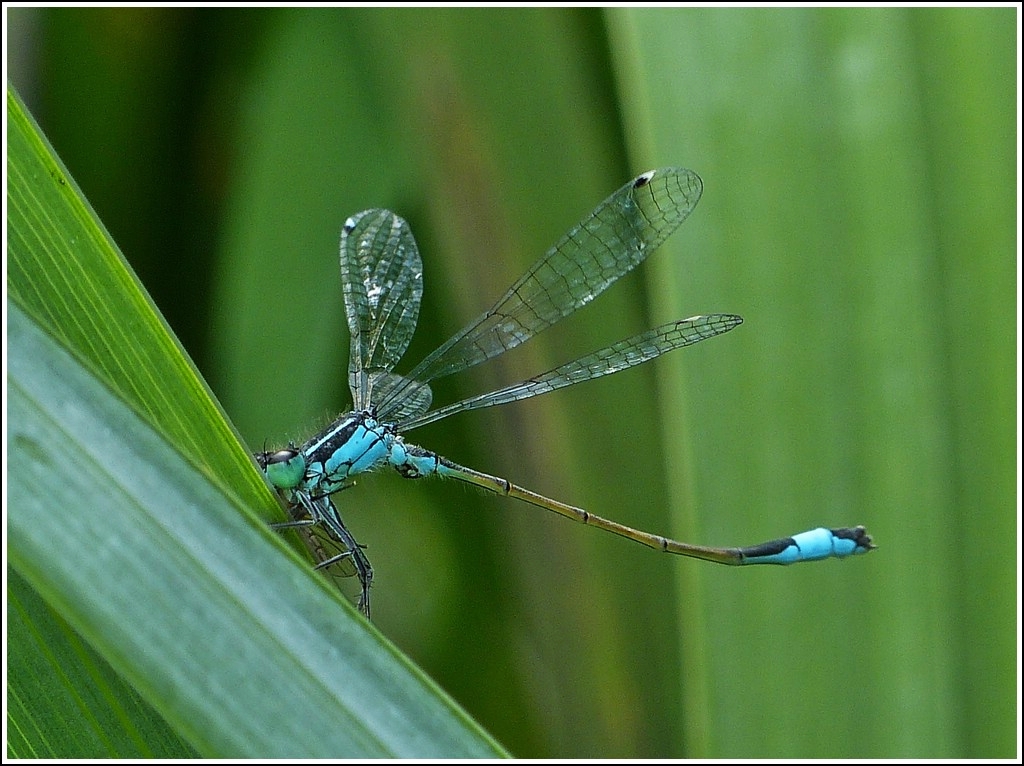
x=285, y=468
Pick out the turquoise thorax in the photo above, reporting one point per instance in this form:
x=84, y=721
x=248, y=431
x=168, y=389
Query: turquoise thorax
x=356, y=442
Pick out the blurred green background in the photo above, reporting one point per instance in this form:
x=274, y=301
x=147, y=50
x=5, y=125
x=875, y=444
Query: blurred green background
x=860, y=214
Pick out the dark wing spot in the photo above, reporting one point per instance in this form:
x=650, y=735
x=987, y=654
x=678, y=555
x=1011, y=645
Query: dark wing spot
x=644, y=179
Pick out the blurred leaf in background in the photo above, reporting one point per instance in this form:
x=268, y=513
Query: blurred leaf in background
x=859, y=212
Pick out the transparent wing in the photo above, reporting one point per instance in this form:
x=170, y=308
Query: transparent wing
x=619, y=356
x=414, y=400
x=619, y=234
x=382, y=280
x=610, y=241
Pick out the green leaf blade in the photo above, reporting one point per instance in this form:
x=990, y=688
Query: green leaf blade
x=125, y=517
